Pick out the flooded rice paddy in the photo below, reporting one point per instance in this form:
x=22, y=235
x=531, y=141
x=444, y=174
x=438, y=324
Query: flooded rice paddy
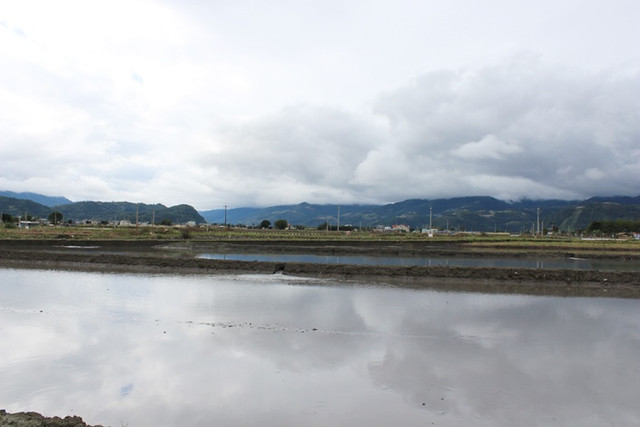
x=571, y=263
x=145, y=349
x=502, y=261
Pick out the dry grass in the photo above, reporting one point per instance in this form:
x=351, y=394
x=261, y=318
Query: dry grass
x=470, y=241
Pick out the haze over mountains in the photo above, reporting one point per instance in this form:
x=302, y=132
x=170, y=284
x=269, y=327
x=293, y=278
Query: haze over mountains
x=462, y=213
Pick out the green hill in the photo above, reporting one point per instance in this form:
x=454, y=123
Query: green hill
x=118, y=211
x=21, y=207
x=103, y=211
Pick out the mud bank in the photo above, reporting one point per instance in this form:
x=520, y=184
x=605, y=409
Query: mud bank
x=34, y=419
x=590, y=283
x=423, y=248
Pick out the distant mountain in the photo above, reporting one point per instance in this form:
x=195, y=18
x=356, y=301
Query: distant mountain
x=38, y=198
x=109, y=211
x=461, y=213
x=578, y=217
x=411, y=212
x=615, y=200
x=103, y=211
x=21, y=207
x=300, y=214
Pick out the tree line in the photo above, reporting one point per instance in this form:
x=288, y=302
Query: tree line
x=614, y=227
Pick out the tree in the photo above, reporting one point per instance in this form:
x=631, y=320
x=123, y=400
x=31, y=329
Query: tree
x=8, y=217
x=55, y=217
x=165, y=221
x=265, y=224
x=281, y=224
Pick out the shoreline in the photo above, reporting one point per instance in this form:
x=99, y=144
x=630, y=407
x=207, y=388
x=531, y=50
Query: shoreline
x=556, y=282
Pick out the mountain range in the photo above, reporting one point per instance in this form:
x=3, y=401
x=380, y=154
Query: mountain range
x=100, y=211
x=462, y=213
x=38, y=198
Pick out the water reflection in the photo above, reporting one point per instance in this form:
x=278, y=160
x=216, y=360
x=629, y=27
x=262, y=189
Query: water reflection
x=507, y=262
x=276, y=350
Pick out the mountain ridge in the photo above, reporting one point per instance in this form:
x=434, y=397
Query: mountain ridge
x=38, y=198
x=102, y=211
x=473, y=213
x=477, y=213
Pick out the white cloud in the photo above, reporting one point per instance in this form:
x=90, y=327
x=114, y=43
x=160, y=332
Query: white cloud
x=488, y=147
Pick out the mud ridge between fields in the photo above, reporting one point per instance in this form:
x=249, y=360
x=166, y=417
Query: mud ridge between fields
x=562, y=282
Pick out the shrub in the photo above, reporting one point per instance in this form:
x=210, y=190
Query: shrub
x=281, y=224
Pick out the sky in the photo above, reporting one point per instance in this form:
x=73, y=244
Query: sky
x=258, y=103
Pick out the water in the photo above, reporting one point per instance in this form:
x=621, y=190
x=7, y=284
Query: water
x=506, y=262
x=134, y=349
x=570, y=263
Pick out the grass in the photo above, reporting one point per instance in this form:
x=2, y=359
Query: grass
x=218, y=233
x=498, y=243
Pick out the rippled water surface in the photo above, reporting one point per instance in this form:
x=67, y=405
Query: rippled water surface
x=164, y=350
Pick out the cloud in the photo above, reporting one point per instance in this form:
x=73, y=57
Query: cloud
x=519, y=128
x=213, y=104
x=520, y=122
x=488, y=147
x=299, y=153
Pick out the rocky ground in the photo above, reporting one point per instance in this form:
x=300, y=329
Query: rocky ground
x=34, y=419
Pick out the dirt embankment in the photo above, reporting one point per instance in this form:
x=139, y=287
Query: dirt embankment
x=34, y=419
x=141, y=258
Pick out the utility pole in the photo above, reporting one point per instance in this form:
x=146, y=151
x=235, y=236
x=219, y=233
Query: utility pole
x=538, y=223
x=338, y=217
x=430, y=218
x=136, y=215
x=225, y=216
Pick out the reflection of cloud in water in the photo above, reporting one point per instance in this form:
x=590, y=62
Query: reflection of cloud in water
x=547, y=360
x=273, y=350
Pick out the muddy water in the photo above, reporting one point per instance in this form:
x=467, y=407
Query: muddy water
x=458, y=261
x=126, y=349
